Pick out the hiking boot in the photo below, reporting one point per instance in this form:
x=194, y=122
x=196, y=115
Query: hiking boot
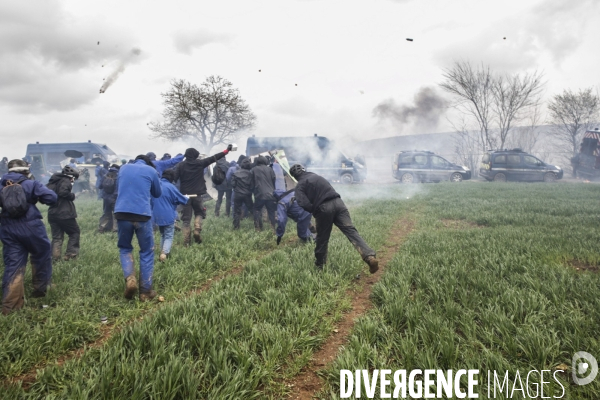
x=197, y=229
x=373, y=264
x=197, y=237
x=68, y=257
x=147, y=296
x=163, y=257
x=187, y=231
x=130, y=287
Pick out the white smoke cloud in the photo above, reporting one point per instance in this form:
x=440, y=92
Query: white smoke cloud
x=121, y=65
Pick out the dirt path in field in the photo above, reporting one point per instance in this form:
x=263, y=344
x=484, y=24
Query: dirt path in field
x=306, y=384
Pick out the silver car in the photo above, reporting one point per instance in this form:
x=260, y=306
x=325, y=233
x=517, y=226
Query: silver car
x=425, y=166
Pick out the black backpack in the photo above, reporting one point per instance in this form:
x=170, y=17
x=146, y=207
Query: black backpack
x=13, y=199
x=218, y=175
x=109, y=184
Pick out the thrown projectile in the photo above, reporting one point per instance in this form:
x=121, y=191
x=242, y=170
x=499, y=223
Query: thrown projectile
x=409, y=39
x=504, y=38
x=98, y=42
x=296, y=84
x=259, y=70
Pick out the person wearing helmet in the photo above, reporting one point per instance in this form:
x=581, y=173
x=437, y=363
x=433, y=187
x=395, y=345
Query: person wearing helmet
x=62, y=215
x=316, y=195
x=23, y=234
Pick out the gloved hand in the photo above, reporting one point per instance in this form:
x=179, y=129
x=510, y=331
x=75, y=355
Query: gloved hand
x=278, y=240
x=228, y=149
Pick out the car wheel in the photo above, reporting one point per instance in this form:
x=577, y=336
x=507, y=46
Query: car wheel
x=456, y=177
x=346, y=179
x=407, y=178
x=549, y=177
x=500, y=177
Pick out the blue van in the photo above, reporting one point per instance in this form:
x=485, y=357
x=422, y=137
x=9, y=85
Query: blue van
x=317, y=153
x=46, y=157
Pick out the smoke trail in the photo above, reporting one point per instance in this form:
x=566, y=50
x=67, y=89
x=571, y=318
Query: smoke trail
x=425, y=113
x=120, y=68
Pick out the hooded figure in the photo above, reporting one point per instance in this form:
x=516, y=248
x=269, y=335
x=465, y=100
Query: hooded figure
x=22, y=237
x=190, y=174
x=243, y=186
x=316, y=195
x=224, y=188
x=264, y=186
x=62, y=215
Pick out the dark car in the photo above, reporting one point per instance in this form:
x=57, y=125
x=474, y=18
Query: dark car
x=426, y=166
x=517, y=165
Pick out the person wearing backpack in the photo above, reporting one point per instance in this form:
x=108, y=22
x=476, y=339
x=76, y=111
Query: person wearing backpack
x=165, y=211
x=23, y=234
x=62, y=215
x=243, y=185
x=223, y=188
x=109, y=198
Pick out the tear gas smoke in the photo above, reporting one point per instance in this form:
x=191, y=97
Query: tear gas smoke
x=122, y=64
x=424, y=114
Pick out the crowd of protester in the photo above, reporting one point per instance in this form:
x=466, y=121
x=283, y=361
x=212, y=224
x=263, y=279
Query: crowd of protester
x=145, y=195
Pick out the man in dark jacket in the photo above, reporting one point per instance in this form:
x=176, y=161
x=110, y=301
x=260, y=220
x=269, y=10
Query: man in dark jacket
x=137, y=184
x=243, y=186
x=190, y=174
x=3, y=166
x=319, y=198
x=264, y=186
x=22, y=236
x=110, y=191
x=100, y=172
x=223, y=189
x=62, y=215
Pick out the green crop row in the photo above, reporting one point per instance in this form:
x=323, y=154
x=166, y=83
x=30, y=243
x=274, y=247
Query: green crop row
x=239, y=339
x=493, y=292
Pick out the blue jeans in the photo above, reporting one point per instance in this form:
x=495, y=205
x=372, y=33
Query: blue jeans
x=166, y=237
x=145, y=238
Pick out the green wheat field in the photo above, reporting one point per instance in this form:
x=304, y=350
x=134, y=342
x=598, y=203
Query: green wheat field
x=492, y=277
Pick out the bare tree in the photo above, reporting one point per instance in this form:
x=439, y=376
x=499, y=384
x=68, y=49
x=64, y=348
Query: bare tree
x=211, y=114
x=467, y=147
x=526, y=137
x=473, y=90
x=572, y=114
x=514, y=96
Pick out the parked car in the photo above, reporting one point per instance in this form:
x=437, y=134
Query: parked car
x=425, y=166
x=517, y=165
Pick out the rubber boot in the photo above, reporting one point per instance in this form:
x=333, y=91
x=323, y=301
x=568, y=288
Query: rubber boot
x=130, y=287
x=187, y=232
x=56, y=250
x=197, y=229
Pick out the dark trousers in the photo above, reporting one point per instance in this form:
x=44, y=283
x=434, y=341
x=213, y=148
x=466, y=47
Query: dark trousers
x=59, y=227
x=238, y=201
x=107, y=220
x=227, y=194
x=195, y=206
x=19, y=240
x=271, y=207
x=334, y=212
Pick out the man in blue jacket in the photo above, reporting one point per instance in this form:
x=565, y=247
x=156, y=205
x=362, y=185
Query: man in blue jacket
x=23, y=236
x=288, y=207
x=137, y=184
x=165, y=212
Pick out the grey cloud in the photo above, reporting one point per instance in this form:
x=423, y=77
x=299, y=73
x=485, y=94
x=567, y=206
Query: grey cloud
x=185, y=41
x=550, y=28
x=423, y=115
x=44, y=53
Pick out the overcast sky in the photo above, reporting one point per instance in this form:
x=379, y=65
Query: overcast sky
x=326, y=66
